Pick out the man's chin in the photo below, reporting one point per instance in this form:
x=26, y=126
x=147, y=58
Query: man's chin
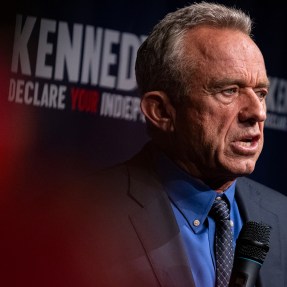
x=242, y=168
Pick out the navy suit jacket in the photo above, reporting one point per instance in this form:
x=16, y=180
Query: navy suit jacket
x=135, y=239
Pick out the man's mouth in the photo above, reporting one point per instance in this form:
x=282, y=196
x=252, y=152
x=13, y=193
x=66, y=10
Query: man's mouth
x=247, y=145
x=249, y=141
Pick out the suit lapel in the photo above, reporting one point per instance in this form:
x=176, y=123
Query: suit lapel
x=158, y=231
x=252, y=207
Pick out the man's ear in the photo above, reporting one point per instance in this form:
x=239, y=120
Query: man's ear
x=158, y=110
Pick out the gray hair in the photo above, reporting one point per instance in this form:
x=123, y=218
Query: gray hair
x=161, y=63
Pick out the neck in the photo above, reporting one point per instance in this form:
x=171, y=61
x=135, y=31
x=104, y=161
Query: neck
x=220, y=187
x=218, y=183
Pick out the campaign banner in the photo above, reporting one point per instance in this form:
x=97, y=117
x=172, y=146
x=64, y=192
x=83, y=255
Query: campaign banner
x=69, y=92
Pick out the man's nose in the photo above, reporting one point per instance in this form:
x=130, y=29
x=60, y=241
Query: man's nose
x=253, y=108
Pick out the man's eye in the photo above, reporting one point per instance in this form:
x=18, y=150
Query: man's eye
x=230, y=92
x=262, y=94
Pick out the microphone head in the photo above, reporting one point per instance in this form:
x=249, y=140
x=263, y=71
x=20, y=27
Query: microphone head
x=253, y=241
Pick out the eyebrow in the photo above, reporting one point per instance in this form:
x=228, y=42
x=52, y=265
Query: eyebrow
x=228, y=81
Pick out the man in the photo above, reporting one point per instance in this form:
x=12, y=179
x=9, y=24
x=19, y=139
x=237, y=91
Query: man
x=203, y=83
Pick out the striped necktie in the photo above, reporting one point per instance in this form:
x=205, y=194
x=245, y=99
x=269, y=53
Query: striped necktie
x=223, y=242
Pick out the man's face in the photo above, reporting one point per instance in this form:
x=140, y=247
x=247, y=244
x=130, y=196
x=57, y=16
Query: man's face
x=218, y=133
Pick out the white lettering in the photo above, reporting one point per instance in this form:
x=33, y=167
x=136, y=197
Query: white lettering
x=91, y=55
x=44, y=48
x=282, y=97
x=277, y=97
x=276, y=122
x=20, y=50
x=19, y=91
x=121, y=107
x=109, y=58
x=12, y=90
x=27, y=98
x=52, y=96
x=100, y=57
x=69, y=52
x=128, y=52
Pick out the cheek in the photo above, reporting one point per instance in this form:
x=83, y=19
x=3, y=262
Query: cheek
x=219, y=134
x=208, y=136
x=227, y=123
x=217, y=128
x=190, y=132
x=205, y=126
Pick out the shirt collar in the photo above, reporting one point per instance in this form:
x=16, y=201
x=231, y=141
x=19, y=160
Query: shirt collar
x=190, y=196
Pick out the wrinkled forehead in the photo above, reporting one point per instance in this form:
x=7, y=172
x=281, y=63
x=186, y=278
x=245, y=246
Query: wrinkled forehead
x=225, y=51
x=212, y=43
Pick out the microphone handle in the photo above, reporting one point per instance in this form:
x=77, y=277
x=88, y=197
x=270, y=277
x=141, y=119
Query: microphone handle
x=244, y=273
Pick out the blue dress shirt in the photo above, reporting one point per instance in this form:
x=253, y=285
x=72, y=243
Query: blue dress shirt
x=191, y=201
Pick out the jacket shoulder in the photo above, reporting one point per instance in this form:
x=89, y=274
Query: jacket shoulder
x=270, y=197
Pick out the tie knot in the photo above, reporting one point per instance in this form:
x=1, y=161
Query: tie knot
x=219, y=209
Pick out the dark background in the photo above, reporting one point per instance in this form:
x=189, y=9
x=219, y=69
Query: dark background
x=46, y=154
x=50, y=141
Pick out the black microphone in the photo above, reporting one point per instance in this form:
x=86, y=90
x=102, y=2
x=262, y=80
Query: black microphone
x=252, y=246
